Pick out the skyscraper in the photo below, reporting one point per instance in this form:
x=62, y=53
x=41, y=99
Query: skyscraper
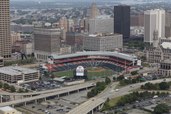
x=46, y=42
x=154, y=20
x=5, y=41
x=93, y=11
x=168, y=25
x=122, y=20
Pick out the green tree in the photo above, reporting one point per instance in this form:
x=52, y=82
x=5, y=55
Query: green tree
x=161, y=109
x=134, y=72
x=12, y=89
x=1, y=84
x=120, y=78
x=114, y=78
x=164, y=86
x=6, y=86
x=107, y=80
x=20, y=90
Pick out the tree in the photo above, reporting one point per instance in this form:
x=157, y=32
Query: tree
x=134, y=72
x=20, y=90
x=12, y=89
x=6, y=86
x=114, y=78
x=164, y=86
x=161, y=109
x=120, y=78
x=1, y=84
x=107, y=80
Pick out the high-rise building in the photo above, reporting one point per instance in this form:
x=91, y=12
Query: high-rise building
x=154, y=20
x=93, y=11
x=63, y=23
x=168, y=25
x=137, y=20
x=122, y=20
x=5, y=40
x=47, y=41
x=15, y=37
x=101, y=24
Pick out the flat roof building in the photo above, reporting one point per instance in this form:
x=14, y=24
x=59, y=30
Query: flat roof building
x=14, y=74
x=8, y=110
x=103, y=42
x=47, y=41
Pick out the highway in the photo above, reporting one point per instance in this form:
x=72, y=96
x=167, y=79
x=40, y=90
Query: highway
x=48, y=91
x=92, y=103
x=45, y=95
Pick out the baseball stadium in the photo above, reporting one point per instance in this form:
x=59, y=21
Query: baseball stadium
x=96, y=63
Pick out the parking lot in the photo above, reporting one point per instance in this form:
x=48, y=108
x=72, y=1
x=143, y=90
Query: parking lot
x=42, y=85
x=58, y=105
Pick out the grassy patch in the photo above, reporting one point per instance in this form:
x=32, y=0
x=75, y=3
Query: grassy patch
x=113, y=101
x=92, y=73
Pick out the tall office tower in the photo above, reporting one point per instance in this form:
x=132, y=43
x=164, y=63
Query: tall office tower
x=93, y=11
x=47, y=41
x=101, y=24
x=122, y=20
x=63, y=23
x=154, y=20
x=168, y=25
x=5, y=41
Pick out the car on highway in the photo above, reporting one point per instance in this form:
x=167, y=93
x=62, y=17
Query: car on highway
x=116, y=90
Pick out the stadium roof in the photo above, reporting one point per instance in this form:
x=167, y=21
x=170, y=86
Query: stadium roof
x=97, y=53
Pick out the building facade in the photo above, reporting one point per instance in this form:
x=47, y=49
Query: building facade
x=168, y=25
x=5, y=40
x=137, y=20
x=1, y=61
x=16, y=74
x=103, y=42
x=93, y=11
x=47, y=41
x=165, y=68
x=122, y=20
x=15, y=37
x=154, y=20
x=101, y=24
x=160, y=51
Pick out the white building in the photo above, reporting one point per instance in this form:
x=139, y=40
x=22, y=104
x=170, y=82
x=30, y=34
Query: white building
x=101, y=24
x=8, y=110
x=103, y=42
x=154, y=20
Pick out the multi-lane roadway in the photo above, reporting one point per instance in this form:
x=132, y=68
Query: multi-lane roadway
x=93, y=103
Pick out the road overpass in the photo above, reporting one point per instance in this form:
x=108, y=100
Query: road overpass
x=47, y=94
x=98, y=101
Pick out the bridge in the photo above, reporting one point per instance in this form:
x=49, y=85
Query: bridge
x=97, y=102
x=44, y=94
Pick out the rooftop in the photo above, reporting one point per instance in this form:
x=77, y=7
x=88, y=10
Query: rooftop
x=166, y=45
x=97, y=53
x=103, y=34
x=16, y=70
x=6, y=108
